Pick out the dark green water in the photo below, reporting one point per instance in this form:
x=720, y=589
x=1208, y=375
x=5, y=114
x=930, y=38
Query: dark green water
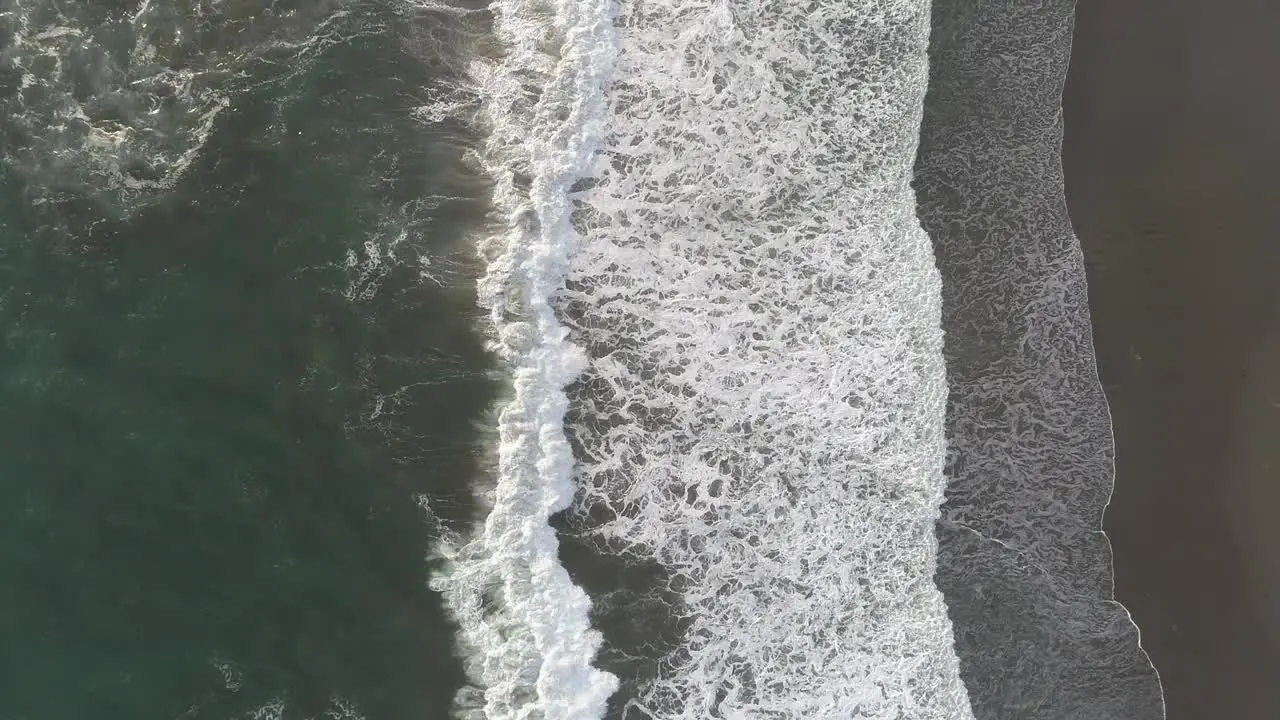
x=221, y=400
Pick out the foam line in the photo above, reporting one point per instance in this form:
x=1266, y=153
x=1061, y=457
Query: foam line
x=523, y=623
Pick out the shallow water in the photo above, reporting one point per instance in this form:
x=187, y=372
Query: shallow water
x=1023, y=563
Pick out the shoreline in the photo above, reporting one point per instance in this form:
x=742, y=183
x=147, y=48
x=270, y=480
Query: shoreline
x=1167, y=136
x=1022, y=563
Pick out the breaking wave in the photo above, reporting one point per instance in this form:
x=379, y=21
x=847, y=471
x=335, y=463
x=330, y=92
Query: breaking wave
x=763, y=400
x=724, y=196
x=523, y=624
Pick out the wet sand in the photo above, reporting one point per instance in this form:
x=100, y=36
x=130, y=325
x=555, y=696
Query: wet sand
x=1172, y=114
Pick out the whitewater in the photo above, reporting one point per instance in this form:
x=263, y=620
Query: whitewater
x=706, y=244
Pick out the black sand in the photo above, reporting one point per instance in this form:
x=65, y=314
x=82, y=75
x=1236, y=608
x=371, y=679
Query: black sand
x=1172, y=111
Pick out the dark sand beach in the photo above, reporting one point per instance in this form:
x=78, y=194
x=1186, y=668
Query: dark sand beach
x=1172, y=112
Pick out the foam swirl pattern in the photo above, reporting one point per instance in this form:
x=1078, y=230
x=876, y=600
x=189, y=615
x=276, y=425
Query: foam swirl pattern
x=763, y=410
x=1024, y=564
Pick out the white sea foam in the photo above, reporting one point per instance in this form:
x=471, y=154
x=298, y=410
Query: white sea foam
x=523, y=623
x=763, y=410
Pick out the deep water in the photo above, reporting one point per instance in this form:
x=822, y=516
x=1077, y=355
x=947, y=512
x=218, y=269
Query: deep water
x=225, y=396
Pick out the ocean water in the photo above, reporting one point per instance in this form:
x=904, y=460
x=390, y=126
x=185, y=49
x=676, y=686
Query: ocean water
x=546, y=359
x=241, y=376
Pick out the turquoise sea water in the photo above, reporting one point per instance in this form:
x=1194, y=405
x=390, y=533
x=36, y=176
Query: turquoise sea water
x=225, y=392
